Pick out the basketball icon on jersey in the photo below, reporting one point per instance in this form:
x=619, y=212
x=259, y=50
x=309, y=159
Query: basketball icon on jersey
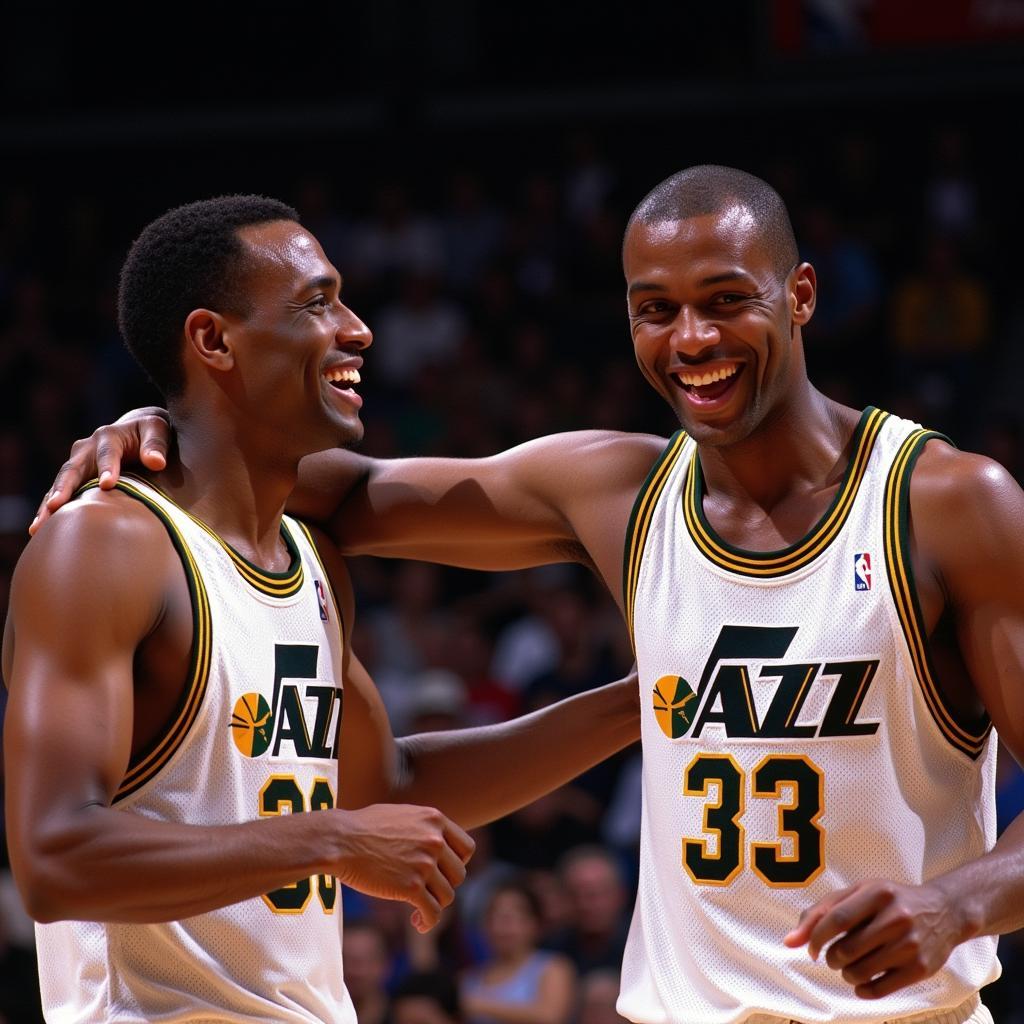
x=672, y=698
x=252, y=724
x=862, y=571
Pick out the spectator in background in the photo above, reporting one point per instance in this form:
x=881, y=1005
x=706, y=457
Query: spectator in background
x=421, y=328
x=940, y=323
x=367, y=966
x=469, y=654
x=393, y=240
x=408, y=632
x=845, y=318
x=599, y=991
x=519, y=983
x=426, y=997
x=941, y=311
x=596, y=937
x=473, y=231
x=951, y=194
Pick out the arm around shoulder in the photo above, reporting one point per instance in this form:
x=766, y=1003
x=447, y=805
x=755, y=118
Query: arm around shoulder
x=526, y=506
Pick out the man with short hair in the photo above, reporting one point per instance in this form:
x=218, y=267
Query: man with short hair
x=177, y=656
x=826, y=609
x=597, y=895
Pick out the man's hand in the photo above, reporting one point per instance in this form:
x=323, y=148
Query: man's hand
x=405, y=852
x=140, y=435
x=884, y=936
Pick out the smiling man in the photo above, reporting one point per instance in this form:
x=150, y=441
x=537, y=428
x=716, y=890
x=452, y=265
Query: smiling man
x=177, y=659
x=828, y=617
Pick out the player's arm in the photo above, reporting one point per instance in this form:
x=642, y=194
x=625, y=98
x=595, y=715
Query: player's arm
x=536, y=503
x=86, y=593
x=540, y=502
x=511, y=763
x=967, y=521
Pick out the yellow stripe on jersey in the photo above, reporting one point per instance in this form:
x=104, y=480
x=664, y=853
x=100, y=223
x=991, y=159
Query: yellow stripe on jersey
x=143, y=766
x=781, y=563
x=967, y=738
x=274, y=584
x=640, y=522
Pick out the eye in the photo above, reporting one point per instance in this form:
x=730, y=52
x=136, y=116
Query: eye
x=318, y=305
x=653, y=308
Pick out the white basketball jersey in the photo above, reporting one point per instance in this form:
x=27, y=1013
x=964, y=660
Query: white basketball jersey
x=255, y=735
x=794, y=743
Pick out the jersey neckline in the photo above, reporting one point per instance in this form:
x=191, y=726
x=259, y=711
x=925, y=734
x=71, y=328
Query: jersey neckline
x=783, y=561
x=273, y=584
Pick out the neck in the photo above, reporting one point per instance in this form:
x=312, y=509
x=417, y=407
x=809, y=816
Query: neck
x=233, y=480
x=799, y=445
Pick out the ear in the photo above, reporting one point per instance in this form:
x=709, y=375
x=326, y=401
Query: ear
x=206, y=338
x=803, y=293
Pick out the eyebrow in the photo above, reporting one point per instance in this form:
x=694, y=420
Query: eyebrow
x=325, y=281
x=654, y=286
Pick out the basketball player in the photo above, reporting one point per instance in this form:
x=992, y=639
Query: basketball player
x=828, y=617
x=177, y=660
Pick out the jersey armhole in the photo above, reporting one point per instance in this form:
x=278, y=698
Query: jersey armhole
x=966, y=736
x=148, y=762
x=639, y=523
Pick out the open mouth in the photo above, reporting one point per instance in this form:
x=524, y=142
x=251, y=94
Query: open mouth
x=343, y=379
x=708, y=385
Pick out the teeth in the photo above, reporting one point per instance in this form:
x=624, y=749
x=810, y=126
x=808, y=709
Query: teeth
x=338, y=375
x=692, y=379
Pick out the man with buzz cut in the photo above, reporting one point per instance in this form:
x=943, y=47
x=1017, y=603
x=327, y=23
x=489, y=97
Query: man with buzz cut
x=828, y=617
x=178, y=660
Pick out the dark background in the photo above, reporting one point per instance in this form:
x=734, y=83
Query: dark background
x=470, y=167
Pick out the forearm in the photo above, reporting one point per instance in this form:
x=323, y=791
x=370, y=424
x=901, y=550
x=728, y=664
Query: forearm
x=478, y=775
x=112, y=865
x=989, y=891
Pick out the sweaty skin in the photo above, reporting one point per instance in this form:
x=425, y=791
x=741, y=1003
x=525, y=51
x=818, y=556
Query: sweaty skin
x=705, y=297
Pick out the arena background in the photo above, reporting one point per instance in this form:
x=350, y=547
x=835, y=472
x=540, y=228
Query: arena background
x=470, y=168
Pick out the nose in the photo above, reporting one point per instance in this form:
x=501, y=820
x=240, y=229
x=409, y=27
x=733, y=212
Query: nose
x=692, y=333
x=352, y=332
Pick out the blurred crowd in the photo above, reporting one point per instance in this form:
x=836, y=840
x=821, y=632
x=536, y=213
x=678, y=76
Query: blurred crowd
x=498, y=314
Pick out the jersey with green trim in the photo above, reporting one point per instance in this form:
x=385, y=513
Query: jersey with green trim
x=795, y=743
x=255, y=735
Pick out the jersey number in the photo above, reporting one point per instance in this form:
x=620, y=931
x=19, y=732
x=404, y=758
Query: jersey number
x=281, y=795
x=793, y=780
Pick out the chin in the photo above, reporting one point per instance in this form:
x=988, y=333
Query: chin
x=350, y=434
x=718, y=434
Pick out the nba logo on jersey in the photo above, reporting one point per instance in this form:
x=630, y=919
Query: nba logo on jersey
x=862, y=571
x=321, y=598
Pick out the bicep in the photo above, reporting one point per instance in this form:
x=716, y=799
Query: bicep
x=971, y=523
x=367, y=755
x=79, y=608
x=523, y=507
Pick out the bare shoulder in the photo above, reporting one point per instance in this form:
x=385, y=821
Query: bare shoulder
x=103, y=550
x=965, y=506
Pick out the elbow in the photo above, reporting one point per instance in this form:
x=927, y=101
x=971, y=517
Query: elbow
x=40, y=895
x=51, y=881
